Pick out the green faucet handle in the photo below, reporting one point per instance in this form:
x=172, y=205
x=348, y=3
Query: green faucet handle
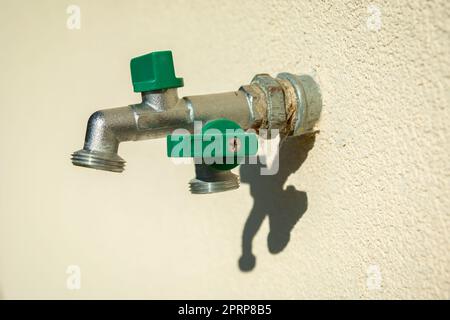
x=223, y=144
x=154, y=71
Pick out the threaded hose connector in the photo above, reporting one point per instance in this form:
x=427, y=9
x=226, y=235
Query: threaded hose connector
x=98, y=160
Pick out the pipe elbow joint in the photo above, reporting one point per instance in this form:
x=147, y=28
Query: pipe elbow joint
x=100, y=145
x=100, y=134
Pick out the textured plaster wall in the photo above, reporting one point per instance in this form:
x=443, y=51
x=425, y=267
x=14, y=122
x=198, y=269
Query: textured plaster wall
x=376, y=181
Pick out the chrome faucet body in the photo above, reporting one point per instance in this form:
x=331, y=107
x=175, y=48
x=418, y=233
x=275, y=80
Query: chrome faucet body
x=288, y=103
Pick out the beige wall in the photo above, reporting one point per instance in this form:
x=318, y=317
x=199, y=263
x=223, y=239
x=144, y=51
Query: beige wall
x=376, y=182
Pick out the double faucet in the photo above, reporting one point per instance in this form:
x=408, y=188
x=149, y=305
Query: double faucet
x=289, y=105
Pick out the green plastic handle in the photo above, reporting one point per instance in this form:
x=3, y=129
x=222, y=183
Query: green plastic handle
x=154, y=71
x=222, y=144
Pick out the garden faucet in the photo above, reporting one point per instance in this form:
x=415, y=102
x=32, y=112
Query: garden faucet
x=288, y=103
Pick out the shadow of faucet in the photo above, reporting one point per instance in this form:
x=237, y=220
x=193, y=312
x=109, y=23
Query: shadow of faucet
x=283, y=207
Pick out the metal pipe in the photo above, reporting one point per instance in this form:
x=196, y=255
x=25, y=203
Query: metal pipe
x=288, y=103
